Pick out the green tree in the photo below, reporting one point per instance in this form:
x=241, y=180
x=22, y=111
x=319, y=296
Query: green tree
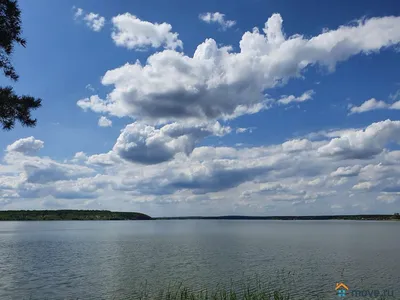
x=13, y=107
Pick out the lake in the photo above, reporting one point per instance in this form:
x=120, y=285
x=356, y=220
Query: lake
x=111, y=259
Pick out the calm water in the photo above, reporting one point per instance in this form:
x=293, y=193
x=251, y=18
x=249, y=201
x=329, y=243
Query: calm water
x=106, y=259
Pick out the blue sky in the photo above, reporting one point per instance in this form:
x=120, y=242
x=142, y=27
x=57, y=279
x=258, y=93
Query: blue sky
x=195, y=127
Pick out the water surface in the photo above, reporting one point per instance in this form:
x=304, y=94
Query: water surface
x=110, y=259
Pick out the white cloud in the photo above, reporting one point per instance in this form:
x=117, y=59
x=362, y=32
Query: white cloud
x=364, y=143
x=158, y=166
x=333, y=133
x=104, y=122
x=79, y=157
x=219, y=83
x=290, y=99
x=245, y=129
x=241, y=130
x=82, y=188
x=389, y=197
x=90, y=87
x=27, y=146
x=44, y=170
x=373, y=104
x=291, y=177
x=104, y=159
x=395, y=96
x=218, y=18
x=395, y=105
x=133, y=33
x=296, y=145
x=366, y=185
x=347, y=171
x=148, y=145
x=93, y=21
x=97, y=105
x=78, y=12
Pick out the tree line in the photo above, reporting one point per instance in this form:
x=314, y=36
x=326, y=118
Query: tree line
x=60, y=215
x=12, y=106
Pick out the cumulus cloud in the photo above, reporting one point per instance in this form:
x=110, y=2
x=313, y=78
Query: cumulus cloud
x=395, y=96
x=290, y=99
x=146, y=144
x=214, y=177
x=133, y=33
x=176, y=100
x=296, y=145
x=45, y=171
x=241, y=130
x=37, y=170
x=78, y=12
x=94, y=21
x=207, y=170
x=81, y=188
x=366, y=185
x=104, y=122
x=80, y=157
x=293, y=177
x=97, y=105
x=389, y=197
x=293, y=192
x=27, y=146
x=219, y=83
x=380, y=171
x=347, y=171
x=245, y=129
x=104, y=159
x=373, y=104
x=34, y=169
x=364, y=143
x=210, y=169
x=218, y=18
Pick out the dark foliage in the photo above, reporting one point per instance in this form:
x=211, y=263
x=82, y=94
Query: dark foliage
x=12, y=107
x=327, y=217
x=59, y=215
x=10, y=33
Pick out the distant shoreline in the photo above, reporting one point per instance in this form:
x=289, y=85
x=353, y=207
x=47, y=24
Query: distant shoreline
x=106, y=215
x=70, y=215
x=377, y=217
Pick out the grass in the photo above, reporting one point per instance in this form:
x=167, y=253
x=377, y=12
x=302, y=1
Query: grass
x=244, y=289
x=249, y=290
x=183, y=293
x=252, y=289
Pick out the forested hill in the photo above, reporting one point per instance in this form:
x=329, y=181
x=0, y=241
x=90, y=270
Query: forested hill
x=395, y=216
x=54, y=215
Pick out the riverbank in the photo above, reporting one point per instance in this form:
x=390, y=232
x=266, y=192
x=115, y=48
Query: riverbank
x=69, y=215
x=104, y=215
x=290, y=218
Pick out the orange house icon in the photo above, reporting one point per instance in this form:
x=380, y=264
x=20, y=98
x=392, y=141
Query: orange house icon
x=341, y=285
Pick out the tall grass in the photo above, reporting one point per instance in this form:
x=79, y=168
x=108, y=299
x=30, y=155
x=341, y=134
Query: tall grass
x=179, y=292
x=249, y=290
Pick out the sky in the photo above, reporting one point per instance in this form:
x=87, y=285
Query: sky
x=178, y=108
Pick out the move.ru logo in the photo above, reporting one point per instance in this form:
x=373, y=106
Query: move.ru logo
x=341, y=289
